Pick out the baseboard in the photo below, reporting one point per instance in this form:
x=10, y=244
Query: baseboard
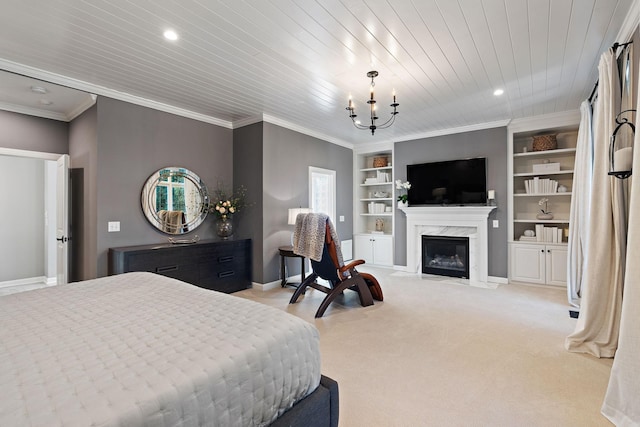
x=499, y=280
x=21, y=282
x=51, y=281
x=275, y=284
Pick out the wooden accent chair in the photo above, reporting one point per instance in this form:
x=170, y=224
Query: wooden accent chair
x=340, y=277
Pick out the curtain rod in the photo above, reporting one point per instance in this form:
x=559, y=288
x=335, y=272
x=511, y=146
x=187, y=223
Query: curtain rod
x=615, y=47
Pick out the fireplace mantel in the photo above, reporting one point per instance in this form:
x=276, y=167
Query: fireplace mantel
x=470, y=221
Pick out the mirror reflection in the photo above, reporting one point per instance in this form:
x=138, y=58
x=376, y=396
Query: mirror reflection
x=175, y=200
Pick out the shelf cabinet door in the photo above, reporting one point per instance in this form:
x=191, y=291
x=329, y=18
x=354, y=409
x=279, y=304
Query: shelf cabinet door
x=374, y=249
x=528, y=263
x=556, y=265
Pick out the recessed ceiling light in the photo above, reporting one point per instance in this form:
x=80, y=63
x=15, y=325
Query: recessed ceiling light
x=45, y=102
x=170, y=35
x=39, y=89
x=498, y=92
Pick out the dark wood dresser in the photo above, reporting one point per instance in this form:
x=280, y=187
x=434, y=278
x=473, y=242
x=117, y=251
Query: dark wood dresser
x=223, y=266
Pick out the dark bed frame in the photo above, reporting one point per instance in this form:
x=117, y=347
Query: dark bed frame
x=319, y=409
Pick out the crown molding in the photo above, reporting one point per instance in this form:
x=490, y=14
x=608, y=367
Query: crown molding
x=37, y=112
x=48, y=76
x=630, y=24
x=374, y=147
x=451, y=131
x=89, y=102
x=545, y=121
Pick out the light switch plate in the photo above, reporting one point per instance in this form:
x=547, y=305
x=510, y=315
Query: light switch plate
x=114, y=226
x=496, y=224
x=341, y=218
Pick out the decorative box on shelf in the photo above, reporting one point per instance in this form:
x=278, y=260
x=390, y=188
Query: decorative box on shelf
x=546, y=167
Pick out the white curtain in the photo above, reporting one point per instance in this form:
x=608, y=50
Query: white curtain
x=580, y=202
x=597, y=327
x=622, y=402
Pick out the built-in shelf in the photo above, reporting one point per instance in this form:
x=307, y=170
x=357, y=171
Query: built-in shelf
x=376, y=183
x=376, y=199
x=378, y=214
x=386, y=168
x=527, y=242
x=546, y=153
x=565, y=172
x=566, y=193
x=543, y=221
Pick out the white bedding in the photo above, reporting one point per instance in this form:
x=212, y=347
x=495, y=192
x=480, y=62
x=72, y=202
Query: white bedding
x=141, y=349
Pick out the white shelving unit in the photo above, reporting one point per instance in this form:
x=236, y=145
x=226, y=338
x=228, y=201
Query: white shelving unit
x=542, y=262
x=374, y=206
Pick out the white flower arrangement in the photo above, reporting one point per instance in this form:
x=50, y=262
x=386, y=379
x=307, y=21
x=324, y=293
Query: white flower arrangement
x=403, y=186
x=227, y=205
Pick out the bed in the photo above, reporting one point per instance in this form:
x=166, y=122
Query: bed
x=139, y=349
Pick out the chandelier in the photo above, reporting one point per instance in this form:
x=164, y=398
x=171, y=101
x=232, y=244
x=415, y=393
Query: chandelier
x=372, y=106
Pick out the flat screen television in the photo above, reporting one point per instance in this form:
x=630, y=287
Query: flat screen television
x=453, y=182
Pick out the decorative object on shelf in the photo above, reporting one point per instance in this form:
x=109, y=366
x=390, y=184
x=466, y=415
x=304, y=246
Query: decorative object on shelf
x=491, y=197
x=621, y=157
x=529, y=233
x=544, y=213
x=224, y=206
x=545, y=142
x=379, y=162
x=546, y=167
x=562, y=188
x=175, y=241
x=372, y=105
x=403, y=198
x=381, y=194
x=379, y=224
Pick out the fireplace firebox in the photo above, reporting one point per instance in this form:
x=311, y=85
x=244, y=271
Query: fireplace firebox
x=445, y=256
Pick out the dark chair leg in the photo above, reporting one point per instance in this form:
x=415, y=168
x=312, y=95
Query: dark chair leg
x=363, y=291
x=302, y=287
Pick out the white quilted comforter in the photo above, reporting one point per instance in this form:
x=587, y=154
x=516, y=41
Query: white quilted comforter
x=140, y=349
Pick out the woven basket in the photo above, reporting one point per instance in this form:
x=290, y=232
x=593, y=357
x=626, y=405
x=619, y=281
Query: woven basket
x=379, y=162
x=545, y=142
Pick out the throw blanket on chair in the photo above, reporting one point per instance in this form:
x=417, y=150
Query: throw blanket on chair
x=309, y=235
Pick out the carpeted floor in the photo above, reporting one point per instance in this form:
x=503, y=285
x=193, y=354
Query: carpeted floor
x=438, y=352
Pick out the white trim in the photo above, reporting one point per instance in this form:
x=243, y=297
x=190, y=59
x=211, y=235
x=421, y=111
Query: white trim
x=545, y=121
x=30, y=111
x=91, y=100
x=333, y=196
x=110, y=93
x=24, y=282
x=265, y=286
x=499, y=280
x=246, y=122
x=291, y=126
x=373, y=147
x=30, y=154
x=630, y=24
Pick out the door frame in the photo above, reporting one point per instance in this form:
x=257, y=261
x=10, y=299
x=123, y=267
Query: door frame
x=14, y=152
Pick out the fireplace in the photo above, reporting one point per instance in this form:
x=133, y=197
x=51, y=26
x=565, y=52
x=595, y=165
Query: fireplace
x=445, y=256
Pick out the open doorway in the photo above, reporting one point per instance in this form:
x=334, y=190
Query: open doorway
x=28, y=247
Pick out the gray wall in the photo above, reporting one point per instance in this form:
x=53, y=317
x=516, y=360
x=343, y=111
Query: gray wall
x=287, y=157
x=273, y=164
x=490, y=143
x=22, y=231
x=132, y=143
x=83, y=150
x=30, y=133
x=247, y=172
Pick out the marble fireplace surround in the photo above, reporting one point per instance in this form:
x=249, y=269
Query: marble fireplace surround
x=452, y=221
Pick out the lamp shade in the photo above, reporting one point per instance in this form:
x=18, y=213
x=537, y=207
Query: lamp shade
x=293, y=214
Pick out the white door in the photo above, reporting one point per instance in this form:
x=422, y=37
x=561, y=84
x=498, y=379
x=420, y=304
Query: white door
x=62, y=219
x=382, y=250
x=363, y=247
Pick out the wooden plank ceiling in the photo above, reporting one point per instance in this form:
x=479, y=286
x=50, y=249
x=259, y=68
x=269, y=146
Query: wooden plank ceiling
x=297, y=61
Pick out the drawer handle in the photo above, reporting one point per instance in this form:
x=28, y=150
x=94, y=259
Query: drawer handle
x=165, y=269
x=225, y=259
x=226, y=274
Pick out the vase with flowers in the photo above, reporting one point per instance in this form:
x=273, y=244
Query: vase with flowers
x=403, y=197
x=224, y=206
x=544, y=213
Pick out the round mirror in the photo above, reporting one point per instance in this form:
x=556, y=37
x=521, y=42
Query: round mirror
x=175, y=200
